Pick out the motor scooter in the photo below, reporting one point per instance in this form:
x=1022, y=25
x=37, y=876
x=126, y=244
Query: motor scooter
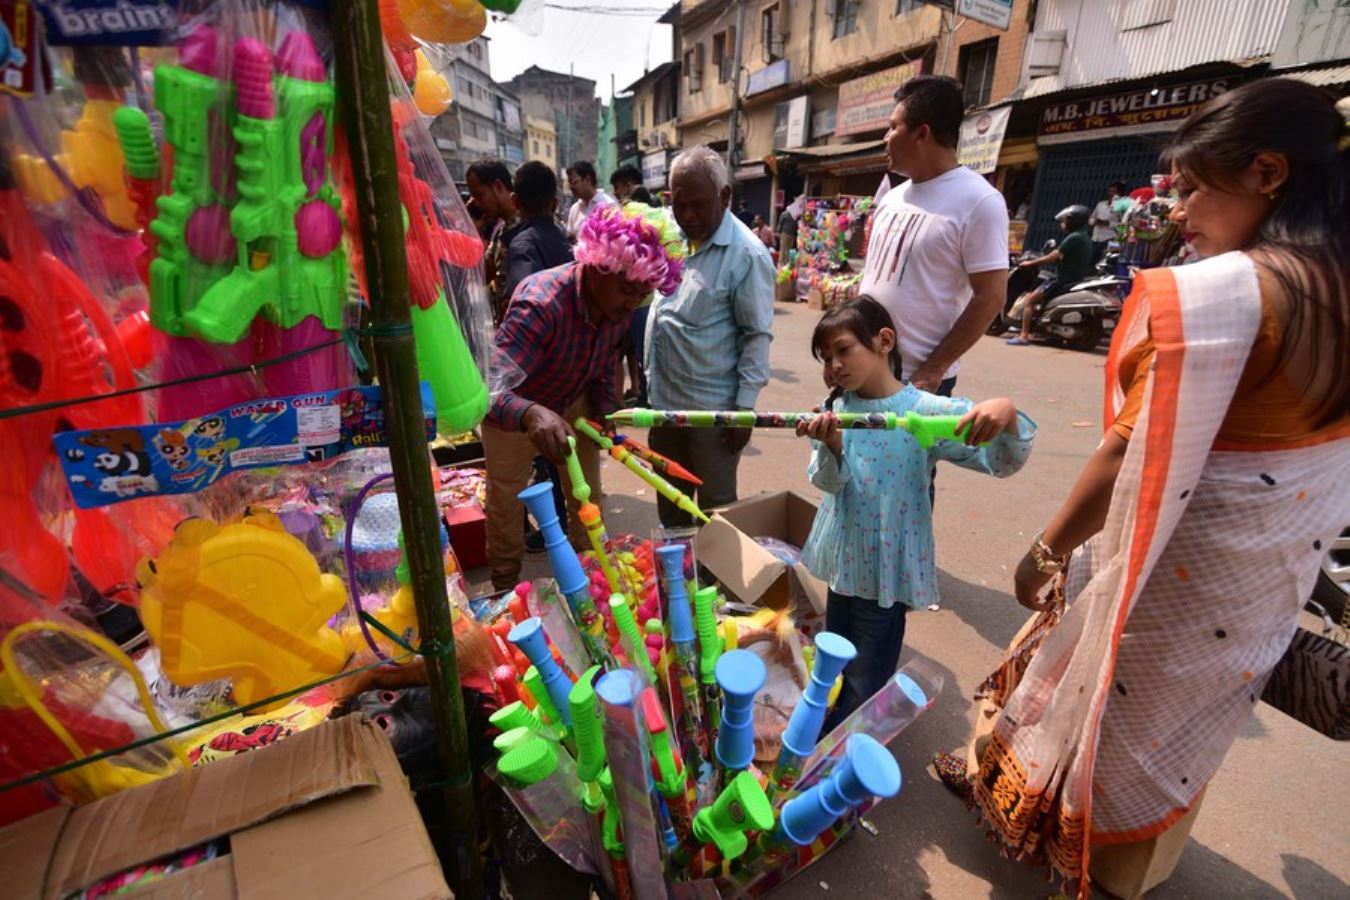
x=1078, y=318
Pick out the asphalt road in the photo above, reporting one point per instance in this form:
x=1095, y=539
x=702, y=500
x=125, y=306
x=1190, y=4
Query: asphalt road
x=1275, y=821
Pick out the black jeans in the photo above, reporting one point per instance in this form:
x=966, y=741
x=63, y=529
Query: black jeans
x=878, y=635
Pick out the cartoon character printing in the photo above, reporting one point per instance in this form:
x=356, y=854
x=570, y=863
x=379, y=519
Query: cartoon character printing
x=214, y=455
x=352, y=403
x=172, y=445
x=122, y=460
x=212, y=428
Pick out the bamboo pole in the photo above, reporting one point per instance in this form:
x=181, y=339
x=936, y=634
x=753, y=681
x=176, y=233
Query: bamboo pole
x=364, y=99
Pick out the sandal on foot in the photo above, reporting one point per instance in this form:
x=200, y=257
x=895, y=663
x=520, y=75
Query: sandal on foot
x=951, y=771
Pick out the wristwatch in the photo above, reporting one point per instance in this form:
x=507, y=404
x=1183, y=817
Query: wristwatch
x=1047, y=563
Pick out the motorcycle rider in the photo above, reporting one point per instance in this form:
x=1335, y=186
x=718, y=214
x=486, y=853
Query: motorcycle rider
x=1073, y=259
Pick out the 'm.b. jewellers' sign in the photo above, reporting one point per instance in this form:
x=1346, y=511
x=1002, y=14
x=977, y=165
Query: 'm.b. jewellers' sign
x=1132, y=113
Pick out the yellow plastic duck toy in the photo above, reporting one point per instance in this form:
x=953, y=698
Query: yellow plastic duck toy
x=245, y=601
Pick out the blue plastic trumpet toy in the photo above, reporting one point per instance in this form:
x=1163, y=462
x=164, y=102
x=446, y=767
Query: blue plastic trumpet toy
x=740, y=675
x=833, y=652
x=867, y=770
x=530, y=638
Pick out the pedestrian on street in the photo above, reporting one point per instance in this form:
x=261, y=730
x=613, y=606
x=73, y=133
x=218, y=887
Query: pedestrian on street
x=872, y=540
x=1194, y=533
x=1105, y=220
x=787, y=227
x=624, y=181
x=489, y=184
x=581, y=182
x=1072, y=260
x=763, y=231
x=743, y=213
x=708, y=341
x=554, y=360
x=938, y=255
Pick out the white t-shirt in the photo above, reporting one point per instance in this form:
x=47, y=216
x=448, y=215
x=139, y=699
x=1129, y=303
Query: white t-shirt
x=1104, y=213
x=927, y=240
x=576, y=216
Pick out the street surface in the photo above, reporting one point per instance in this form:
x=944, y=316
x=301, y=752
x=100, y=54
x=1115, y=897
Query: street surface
x=1275, y=820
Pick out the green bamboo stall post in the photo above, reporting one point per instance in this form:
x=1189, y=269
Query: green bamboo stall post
x=364, y=98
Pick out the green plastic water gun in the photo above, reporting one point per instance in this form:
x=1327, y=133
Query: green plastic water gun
x=290, y=265
x=530, y=761
x=195, y=246
x=588, y=731
x=927, y=430
x=709, y=651
x=590, y=516
x=516, y=715
x=534, y=682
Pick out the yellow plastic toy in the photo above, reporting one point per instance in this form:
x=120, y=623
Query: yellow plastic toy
x=244, y=601
x=92, y=157
x=431, y=92
x=399, y=615
x=444, y=21
x=106, y=776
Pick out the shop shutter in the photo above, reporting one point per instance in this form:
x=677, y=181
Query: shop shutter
x=1079, y=173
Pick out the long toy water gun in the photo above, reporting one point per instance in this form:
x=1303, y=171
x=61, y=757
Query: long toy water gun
x=589, y=733
x=660, y=463
x=612, y=838
x=927, y=430
x=671, y=781
x=290, y=265
x=833, y=652
x=709, y=651
x=634, y=646
x=571, y=578
x=693, y=734
x=590, y=516
x=663, y=487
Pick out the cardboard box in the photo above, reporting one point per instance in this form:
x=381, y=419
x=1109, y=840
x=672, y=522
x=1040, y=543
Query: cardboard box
x=785, y=291
x=325, y=813
x=815, y=299
x=726, y=547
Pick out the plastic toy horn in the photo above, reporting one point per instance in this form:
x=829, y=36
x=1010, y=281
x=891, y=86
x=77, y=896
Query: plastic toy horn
x=530, y=638
x=740, y=675
x=833, y=652
x=867, y=770
x=567, y=571
x=670, y=559
x=927, y=430
x=741, y=807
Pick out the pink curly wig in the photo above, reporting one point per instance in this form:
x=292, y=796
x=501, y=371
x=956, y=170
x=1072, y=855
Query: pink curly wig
x=635, y=242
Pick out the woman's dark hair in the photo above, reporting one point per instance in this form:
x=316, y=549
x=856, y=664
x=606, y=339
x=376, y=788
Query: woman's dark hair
x=861, y=316
x=1308, y=230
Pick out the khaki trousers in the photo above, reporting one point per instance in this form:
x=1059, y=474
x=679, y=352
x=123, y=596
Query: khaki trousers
x=1126, y=871
x=510, y=460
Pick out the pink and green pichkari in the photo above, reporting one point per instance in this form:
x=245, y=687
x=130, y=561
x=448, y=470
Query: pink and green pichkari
x=927, y=430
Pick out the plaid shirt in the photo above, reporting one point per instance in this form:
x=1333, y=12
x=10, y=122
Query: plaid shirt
x=548, y=337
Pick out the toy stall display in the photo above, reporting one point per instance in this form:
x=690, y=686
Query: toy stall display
x=831, y=241
x=184, y=435
x=1147, y=236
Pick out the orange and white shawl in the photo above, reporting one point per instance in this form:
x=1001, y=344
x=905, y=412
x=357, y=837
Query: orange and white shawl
x=1180, y=606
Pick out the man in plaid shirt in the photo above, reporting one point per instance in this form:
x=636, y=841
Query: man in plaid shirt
x=554, y=359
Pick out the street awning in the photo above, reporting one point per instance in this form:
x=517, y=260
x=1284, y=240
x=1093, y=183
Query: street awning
x=1322, y=76
x=833, y=152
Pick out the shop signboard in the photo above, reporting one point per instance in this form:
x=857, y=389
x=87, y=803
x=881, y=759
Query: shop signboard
x=982, y=138
x=1136, y=112
x=995, y=13
x=865, y=104
x=773, y=75
x=654, y=169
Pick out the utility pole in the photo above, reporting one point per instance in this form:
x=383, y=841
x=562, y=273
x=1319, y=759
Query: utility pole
x=734, y=131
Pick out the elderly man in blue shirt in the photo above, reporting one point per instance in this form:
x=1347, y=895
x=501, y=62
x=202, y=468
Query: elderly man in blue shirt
x=708, y=342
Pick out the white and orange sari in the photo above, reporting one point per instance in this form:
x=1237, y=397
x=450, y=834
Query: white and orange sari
x=1178, y=609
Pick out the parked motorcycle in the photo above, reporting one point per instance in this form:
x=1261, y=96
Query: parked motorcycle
x=1079, y=318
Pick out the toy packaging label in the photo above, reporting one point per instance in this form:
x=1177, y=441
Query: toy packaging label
x=114, y=23
x=18, y=47
x=109, y=465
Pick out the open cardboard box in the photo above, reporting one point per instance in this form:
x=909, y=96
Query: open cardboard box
x=325, y=813
x=726, y=547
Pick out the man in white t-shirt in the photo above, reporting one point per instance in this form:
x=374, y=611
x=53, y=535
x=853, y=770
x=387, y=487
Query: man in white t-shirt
x=938, y=254
x=1105, y=219
x=581, y=182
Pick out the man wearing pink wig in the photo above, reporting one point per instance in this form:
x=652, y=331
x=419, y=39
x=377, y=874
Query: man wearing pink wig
x=554, y=359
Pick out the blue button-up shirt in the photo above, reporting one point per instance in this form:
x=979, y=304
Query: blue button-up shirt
x=708, y=343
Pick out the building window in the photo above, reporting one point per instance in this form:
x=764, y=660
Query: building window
x=693, y=68
x=977, y=71
x=642, y=115
x=907, y=6
x=534, y=147
x=724, y=54
x=845, y=17
x=771, y=38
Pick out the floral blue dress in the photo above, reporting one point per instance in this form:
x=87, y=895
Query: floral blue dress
x=873, y=535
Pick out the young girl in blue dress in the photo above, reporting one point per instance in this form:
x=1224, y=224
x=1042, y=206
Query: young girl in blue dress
x=872, y=540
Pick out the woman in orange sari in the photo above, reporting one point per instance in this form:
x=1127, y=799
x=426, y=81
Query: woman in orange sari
x=1194, y=533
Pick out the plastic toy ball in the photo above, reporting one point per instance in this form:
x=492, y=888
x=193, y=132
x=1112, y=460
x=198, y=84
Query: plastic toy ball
x=444, y=21
x=431, y=92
